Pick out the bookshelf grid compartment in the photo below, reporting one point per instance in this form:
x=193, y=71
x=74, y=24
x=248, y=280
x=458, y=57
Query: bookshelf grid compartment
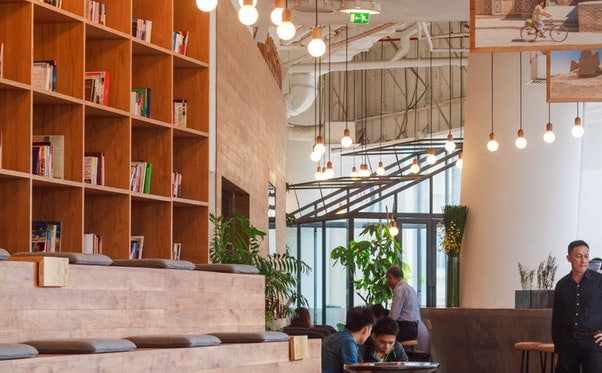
x=30, y=31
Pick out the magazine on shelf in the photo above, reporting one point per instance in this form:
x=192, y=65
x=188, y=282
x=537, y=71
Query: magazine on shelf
x=136, y=247
x=45, y=236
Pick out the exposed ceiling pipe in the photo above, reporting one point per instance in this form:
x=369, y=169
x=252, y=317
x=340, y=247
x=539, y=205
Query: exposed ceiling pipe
x=372, y=65
x=404, y=38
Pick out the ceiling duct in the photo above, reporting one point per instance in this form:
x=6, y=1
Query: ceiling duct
x=309, y=6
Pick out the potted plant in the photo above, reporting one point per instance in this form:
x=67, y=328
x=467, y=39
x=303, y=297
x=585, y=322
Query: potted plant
x=236, y=241
x=371, y=258
x=454, y=221
x=543, y=296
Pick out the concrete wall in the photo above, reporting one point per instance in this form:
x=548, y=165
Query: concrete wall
x=524, y=204
x=250, y=122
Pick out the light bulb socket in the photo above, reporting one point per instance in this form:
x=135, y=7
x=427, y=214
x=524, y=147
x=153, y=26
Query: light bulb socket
x=316, y=32
x=450, y=137
x=549, y=127
x=577, y=121
x=520, y=133
x=492, y=136
x=286, y=15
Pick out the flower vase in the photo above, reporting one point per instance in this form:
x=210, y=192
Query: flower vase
x=453, y=281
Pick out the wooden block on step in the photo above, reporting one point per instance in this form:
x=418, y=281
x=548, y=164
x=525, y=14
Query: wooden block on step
x=52, y=271
x=299, y=347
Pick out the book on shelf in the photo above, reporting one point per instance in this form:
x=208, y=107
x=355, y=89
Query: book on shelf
x=1, y=60
x=136, y=247
x=96, y=84
x=43, y=75
x=142, y=29
x=180, y=41
x=45, y=236
x=1, y=141
x=179, y=112
x=140, y=102
x=96, y=12
x=56, y=3
x=176, y=184
x=49, y=150
x=140, y=176
x=175, y=252
x=92, y=244
x=94, y=168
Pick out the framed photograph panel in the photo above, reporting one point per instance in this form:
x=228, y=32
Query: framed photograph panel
x=574, y=76
x=507, y=25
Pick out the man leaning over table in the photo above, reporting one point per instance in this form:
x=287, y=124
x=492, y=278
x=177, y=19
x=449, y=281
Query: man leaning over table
x=577, y=315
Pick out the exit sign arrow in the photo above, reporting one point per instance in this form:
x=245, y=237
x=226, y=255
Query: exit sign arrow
x=359, y=17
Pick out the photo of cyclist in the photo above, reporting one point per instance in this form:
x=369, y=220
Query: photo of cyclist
x=538, y=16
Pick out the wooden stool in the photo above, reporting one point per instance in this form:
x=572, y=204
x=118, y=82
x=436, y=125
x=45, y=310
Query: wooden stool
x=525, y=347
x=410, y=343
x=544, y=350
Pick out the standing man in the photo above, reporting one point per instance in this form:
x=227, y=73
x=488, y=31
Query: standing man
x=342, y=347
x=406, y=311
x=577, y=315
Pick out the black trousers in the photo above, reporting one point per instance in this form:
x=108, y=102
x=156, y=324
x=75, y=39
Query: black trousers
x=582, y=353
x=408, y=330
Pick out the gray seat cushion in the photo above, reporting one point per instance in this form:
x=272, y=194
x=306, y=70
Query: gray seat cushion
x=228, y=268
x=251, y=337
x=81, y=345
x=16, y=351
x=169, y=341
x=4, y=254
x=154, y=263
x=312, y=333
x=74, y=258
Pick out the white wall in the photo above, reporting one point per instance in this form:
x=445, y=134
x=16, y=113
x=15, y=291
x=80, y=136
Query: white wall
x=523, y=204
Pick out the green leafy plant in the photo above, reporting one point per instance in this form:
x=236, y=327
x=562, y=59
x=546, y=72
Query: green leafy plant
x=454, y=220
x=236, y=241
x=371, y=258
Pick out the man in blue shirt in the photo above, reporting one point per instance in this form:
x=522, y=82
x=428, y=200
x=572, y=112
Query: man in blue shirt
x=577, y=315
x=343, y=347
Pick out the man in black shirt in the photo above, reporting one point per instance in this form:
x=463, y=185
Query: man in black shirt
x=577, y=315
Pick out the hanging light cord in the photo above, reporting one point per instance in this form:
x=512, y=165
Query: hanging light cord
x=520, y=61
x=451, y=81
x=382, y=72
x=492, y=92
x=329, y=89
x=461, y=70
x=346, y=78
x=431, y=93
x=549, y=117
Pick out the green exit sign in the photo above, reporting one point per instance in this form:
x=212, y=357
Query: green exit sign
x=359, y=17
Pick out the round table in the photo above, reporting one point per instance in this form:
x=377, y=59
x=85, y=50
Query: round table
x=405, y=367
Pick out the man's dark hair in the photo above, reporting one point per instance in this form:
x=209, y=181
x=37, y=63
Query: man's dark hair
x=379, y=311
x=359, y=317
x=576, y=243
x=386, y=326
x=395, y=271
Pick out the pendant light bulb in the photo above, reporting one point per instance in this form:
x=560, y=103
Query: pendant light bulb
x=450, y=145
x=380, y=170
x=276, y=15
x=415, y=167
x=393, y=230
x=316, y=46
x=247, y=14
x=353, y=172
x=492, y=145
x=318, y=174
x=319, y=147
x=206, y=5
x=346, y=141
x=315, y=156
x=577, y=129
x=286, y=30
x=329, y=173
x=364, y=170
x=431, y=158
x=460, y=161
x=521, y=141
x=549, y=136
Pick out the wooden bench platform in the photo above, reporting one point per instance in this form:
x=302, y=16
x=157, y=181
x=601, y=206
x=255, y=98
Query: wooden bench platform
x=117, y=302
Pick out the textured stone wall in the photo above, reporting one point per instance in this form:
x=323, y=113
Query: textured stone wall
x=590, y=14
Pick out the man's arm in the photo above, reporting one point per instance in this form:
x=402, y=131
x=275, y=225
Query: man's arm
x=350, y=352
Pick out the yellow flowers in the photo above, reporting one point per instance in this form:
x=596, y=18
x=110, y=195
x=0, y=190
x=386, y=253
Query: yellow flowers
x=454, y=220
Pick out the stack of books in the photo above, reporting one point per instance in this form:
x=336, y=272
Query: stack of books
x=179, y=112
x=43, y=75
x=96, y=12
x=180, y=40
x=48, y=155
x=142, y=28
x=140, y=102
x=94, y=168
x=96, y=84
x=46, y=236
x=140, y=177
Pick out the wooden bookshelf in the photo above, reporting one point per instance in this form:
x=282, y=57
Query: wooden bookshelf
x=32, y=30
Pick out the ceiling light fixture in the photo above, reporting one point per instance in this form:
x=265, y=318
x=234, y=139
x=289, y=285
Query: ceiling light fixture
x=316, y=46
x=415, y=167
x=549, y=135
x=286, y=30
x=492, y=144
x=521, y=141
x=276, y=15
x=450, y=145
x=365, y=6
x=364, y=170
x=346, y=141
x=206, y=5
x=393, y=230
x=577, y=129
x=247, y=14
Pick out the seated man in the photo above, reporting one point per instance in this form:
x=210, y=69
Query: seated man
x=382, y=344
x=343, y=347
